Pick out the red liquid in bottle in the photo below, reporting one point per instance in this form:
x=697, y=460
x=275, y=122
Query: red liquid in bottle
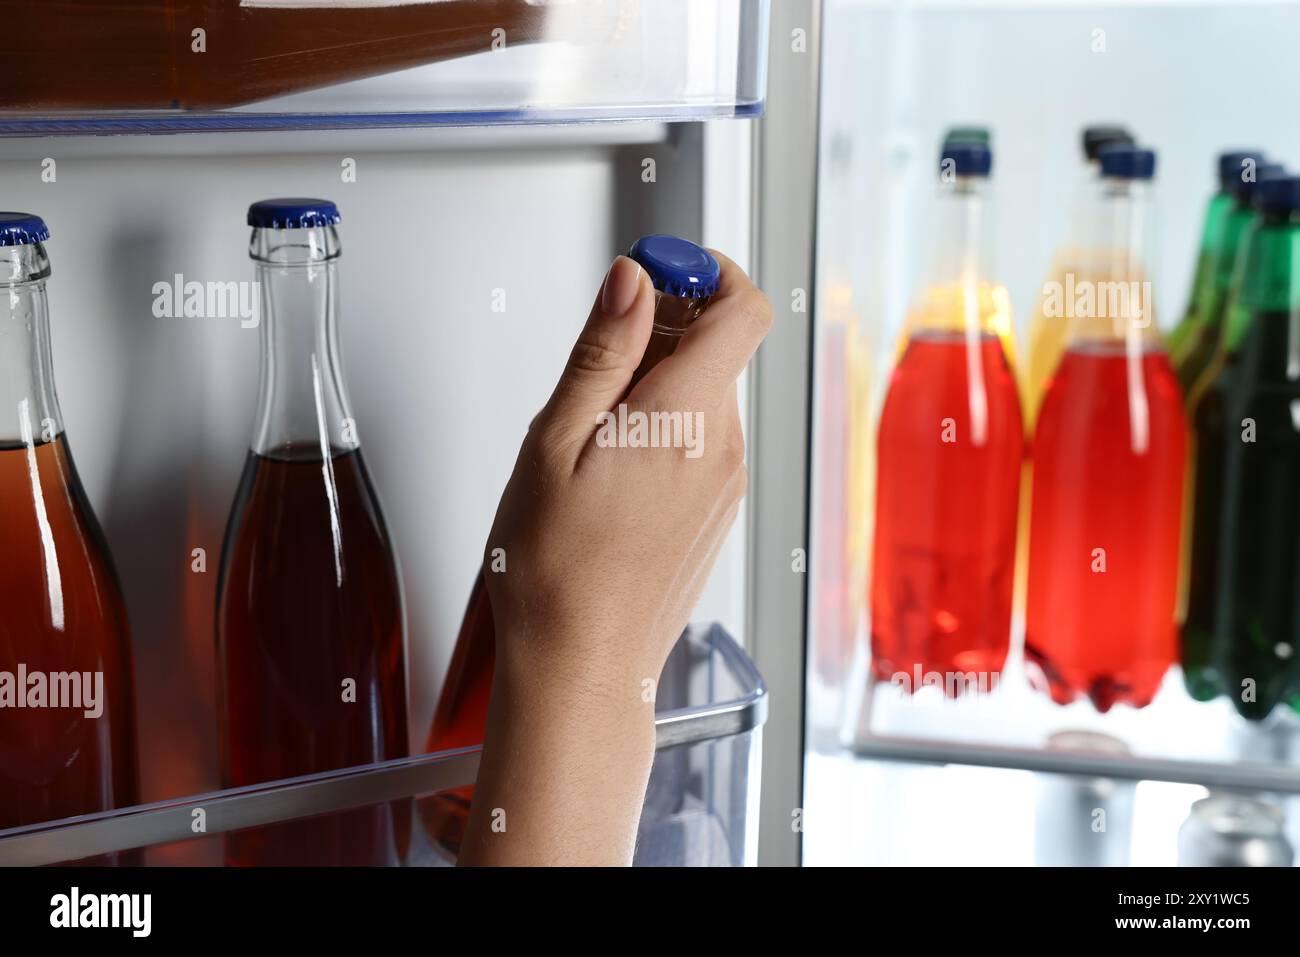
x=63, y=612
x=309, y=596
x=460, y=718
x=947, y=492
x=1109, y=458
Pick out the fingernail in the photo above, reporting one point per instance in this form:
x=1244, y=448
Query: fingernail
x=621, y=286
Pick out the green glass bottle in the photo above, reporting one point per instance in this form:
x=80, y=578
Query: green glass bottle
x=1191, y=335
x=1242, y=631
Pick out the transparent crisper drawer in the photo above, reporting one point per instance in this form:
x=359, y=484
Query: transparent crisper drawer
x=701, y=805
x=111, y=67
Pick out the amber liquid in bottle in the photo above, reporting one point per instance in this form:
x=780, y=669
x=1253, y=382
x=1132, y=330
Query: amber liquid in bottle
x=310, y=628
x=110, y=54
x=63, y=609
x=309, y=598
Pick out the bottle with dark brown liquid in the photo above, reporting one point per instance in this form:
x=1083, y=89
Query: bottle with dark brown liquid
x=311, y=652
x=685, y=278
x=67, y=708
x=208, y=54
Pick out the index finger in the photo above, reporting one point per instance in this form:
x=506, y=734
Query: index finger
x=716, y=348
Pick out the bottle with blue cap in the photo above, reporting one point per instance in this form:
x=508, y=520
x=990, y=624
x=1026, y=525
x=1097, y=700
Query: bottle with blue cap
x=1047, y=328
x=949, y=452
x=1194, y=352
x=685, y=278
x=63, y=607
x=311, y=635
x=1242, y=633
x=1047, y=332
x=1109, y=454
x=1194, y=359
x=1191, y=343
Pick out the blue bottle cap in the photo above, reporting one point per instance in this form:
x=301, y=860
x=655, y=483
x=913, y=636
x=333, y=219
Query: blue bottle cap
x=1097, y=137
x=677, y=266
x=22, y=229
x=1244, y=189
x=1230, y=166
x=1279, y=193
x=1127, y=162
x=968, y=157
x=293, y=213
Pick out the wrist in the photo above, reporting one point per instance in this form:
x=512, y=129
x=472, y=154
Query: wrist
x=567, y=668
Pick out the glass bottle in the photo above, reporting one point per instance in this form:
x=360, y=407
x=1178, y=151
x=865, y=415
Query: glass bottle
x=67, y=721
x=310, y=629
x=1109, y=456
x=685, y=277
x=949, y=455
x=200, y=54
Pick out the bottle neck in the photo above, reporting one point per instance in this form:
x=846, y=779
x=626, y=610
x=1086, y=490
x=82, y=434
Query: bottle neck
x=1111, y=297
x=30, y=412
x=1263, y=324
x=1240, y=216
x=960, y=295
x=1221, y=230
x=961, y=233
x=303, y=408
x=673, y=316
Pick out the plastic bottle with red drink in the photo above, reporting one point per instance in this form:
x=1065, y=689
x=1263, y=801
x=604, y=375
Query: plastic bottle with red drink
x=685, y=277
x=1109, y=457
x=1047, y=333
x=310, y=631
x=67, y=708
x=949, y=453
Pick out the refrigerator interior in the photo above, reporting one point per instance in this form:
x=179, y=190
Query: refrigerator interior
x=470, y=259
x=921, y=779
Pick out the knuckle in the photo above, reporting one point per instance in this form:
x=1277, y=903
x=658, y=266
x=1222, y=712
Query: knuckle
x=595, y=356
x=757, y=308
x=733, y=457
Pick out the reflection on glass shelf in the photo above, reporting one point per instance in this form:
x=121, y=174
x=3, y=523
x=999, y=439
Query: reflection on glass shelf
x=386, y=64
x=982, y=817
x=1013, y=726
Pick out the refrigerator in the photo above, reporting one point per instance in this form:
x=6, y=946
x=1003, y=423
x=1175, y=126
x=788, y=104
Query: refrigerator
x=484, y=187
x=482, y=198
x=1008, y=776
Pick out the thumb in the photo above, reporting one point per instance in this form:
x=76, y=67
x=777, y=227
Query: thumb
x=607, y=352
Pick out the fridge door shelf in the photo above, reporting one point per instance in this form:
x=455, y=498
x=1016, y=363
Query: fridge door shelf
x=701, y=802
x=1174, y=739
x=601, y=60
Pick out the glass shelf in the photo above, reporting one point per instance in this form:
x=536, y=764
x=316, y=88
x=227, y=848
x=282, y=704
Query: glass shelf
x=1174, y=739
x=701, y=805
x=575, y=61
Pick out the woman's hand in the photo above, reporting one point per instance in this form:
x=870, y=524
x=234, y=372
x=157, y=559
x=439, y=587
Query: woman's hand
x=606, y=549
